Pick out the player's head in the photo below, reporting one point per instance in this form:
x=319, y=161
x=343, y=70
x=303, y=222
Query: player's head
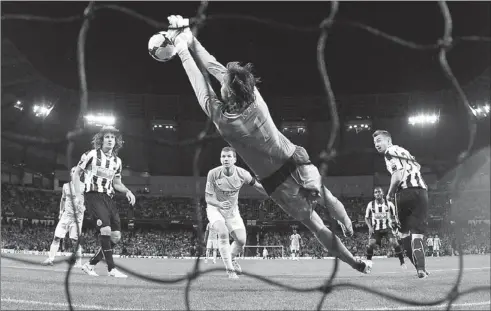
x=108, y=139
x=436, y=235
x=294, y=231
x=382, y=140
x=378, y=193
x=238, y=87
x=228, y=157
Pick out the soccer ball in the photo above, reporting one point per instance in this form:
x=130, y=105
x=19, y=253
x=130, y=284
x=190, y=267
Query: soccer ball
x=160, y=47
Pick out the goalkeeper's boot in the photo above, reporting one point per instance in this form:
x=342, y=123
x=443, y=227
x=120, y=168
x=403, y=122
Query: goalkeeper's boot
x=364, y=266
x=232, y=274
x=48, y=262
x=403, y=266
x=89, y=269
x=237, y=267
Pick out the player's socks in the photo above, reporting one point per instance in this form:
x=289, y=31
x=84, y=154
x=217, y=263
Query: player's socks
x=337, y=210
x=224, y=249
x=235, y=249
x=214, y=255
x=399, y=254
x=418, y=251
x=53, y=249
x=107, y=251
x=369, y=252
x=96, y=258
x=207, y=253
x=325, y=236
x=406, y=243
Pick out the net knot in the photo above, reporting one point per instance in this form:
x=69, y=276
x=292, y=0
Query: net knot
x=446, y=42
x=327, y=23
x=326, y=289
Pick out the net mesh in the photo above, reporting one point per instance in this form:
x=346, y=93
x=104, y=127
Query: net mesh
x=442, y=46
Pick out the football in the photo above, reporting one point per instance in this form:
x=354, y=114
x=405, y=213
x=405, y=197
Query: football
x=160, y=47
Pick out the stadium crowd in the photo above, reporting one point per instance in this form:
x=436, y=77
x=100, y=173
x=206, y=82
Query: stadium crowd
x=19, y=202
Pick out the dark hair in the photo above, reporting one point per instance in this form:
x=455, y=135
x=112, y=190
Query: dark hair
x=381, y=132
x=98, y=139
x=228, y=149
x=241, y=83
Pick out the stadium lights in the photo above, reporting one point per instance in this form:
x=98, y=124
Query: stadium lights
x=423, y=119
x=41, y=111
x=168, y=125
x=359, y=125
x=100, y=120
x=18, y=105
x=481, y=111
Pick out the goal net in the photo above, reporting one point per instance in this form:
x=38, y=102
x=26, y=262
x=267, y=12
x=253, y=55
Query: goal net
x=256, y=251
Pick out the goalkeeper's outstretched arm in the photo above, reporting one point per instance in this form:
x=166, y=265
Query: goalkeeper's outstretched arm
x=209, y=61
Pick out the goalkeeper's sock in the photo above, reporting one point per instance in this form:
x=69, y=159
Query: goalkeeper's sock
x=336, y=209
x=418, y=251
x=53, y=249
x=399, y=254
x=224, y=249
x=214, y=254
x=207, y=254
x=334, y=245
x=235, y=249
x=370, y=252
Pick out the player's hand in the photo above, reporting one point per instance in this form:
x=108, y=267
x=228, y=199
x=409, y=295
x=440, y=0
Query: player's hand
x=390, y=197
x=370, y=231
x=181, y=38
x=131, y=197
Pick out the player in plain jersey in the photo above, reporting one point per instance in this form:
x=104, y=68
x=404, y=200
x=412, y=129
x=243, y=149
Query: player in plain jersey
x=295, y=240
x=70, y=221
x=211, y=240
x=223, y=184
x=243, y=120
x=410, y=192
x=381, y=219
x=436, y=245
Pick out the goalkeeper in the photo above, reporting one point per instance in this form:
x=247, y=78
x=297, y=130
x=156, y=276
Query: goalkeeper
x=242, y=118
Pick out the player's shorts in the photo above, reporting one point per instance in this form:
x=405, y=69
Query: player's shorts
x=102, y=210
x=212, y=244
x=412, y=209
x=430, y=249
x=294, y=247
x=379, y=234
x=436, y=247
x=233, y=223
x=68, y=224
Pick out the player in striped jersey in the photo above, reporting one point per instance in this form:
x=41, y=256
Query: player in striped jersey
x=381, y=220
x=411, y=197
x=295, y=239
x=211, y=240
x=102, y=168
x=70, y=219
x=242, y=118
x=223, y=184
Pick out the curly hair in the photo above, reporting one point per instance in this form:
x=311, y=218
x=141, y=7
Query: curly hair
x=98, y=139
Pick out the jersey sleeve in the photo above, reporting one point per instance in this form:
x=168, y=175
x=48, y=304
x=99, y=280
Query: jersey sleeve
x=206, y=96
x=246, y=176
x=392, y=160
x=209, y=61
x=86, y=159
x=119, y=169
x=368, y=212
x=210, y=183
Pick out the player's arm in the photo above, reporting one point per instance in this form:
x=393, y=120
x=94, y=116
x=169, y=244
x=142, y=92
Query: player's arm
x=215, y=68
x=119, y=186
x=396, y=169
x=204, y=93
x=210, y=194
x=393, y=214
x=252, y=181
x=368, y=216
x=83, y=164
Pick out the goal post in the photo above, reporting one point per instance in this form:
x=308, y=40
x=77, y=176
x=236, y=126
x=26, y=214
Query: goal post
x=256, y=251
